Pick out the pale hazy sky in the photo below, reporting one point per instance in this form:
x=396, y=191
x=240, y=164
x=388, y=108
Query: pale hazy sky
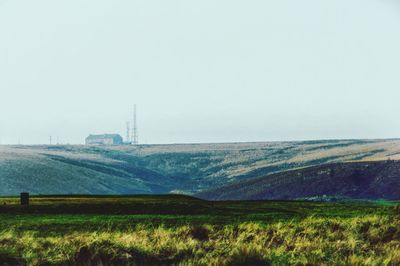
x=199, y=71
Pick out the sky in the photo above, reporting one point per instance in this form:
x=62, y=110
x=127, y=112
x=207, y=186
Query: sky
x=199, y=71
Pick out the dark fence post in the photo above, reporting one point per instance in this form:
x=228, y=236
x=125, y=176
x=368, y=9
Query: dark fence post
x=24, y=198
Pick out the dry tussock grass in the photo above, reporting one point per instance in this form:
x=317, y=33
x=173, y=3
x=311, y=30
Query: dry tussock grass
x=367, y=240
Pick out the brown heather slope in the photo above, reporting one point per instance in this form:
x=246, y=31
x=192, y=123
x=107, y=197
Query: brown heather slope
x=355, y=180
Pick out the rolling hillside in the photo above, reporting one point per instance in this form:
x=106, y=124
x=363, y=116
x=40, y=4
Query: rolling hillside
x=353, y=180
x=180, y=168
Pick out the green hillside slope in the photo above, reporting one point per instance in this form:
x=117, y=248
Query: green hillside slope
x=180, y=168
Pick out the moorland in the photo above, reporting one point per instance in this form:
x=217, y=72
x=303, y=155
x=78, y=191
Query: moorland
x=181, y=230
x=175, y=168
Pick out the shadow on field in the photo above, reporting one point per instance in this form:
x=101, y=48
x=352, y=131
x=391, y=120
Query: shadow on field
x=105, y=254
x=8, y=259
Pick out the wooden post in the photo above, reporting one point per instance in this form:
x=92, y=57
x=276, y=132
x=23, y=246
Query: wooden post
x=24, y=198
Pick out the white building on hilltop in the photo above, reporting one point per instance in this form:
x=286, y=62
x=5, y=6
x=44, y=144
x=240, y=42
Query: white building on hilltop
x=105, y=139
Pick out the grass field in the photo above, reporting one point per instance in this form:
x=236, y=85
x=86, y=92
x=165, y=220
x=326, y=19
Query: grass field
x=180, y=230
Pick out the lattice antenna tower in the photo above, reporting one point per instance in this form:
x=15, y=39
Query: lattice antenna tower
x=135, y=138
x=128, y=131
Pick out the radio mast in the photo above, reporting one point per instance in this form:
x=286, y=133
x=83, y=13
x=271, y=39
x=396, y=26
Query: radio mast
x=128, y=131
x=135, y=140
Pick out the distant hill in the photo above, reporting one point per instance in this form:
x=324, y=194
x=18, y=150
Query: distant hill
x=177, y=168
x=354, y=180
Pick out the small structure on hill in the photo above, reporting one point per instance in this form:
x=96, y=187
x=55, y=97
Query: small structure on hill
x=24, y=198
x=105, y=139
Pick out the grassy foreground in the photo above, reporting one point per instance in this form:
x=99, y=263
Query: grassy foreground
x=178, y=230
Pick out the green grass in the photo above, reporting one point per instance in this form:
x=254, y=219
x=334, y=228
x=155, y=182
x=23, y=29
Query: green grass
x=179, y=230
